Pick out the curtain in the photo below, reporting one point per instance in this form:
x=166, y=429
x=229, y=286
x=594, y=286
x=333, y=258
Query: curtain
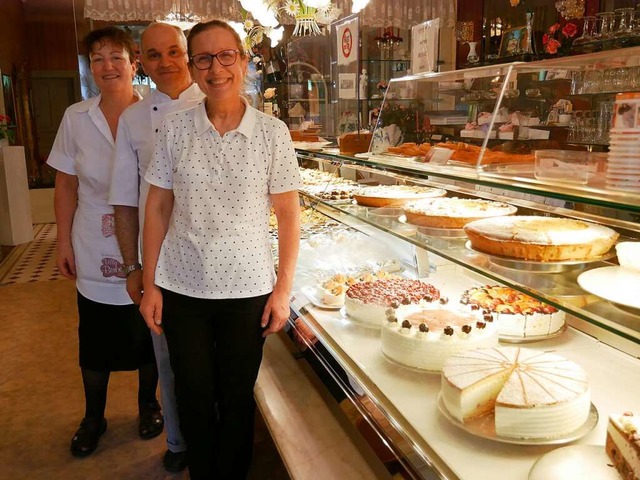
x=379, y=13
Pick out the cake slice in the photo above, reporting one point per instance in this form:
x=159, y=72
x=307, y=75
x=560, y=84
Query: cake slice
x=623, y=444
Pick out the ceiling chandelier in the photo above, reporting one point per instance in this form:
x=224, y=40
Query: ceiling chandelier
x=181, y=15
x=307, y=14
x=570, y=8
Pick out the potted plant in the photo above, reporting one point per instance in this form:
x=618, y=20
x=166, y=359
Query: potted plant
x=7, y=135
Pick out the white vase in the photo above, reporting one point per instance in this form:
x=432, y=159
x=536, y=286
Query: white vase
x=4, y=142
x=473, y=57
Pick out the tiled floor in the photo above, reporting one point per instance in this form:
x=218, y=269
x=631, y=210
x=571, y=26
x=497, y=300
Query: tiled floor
x=41, y=397
x=34, y=261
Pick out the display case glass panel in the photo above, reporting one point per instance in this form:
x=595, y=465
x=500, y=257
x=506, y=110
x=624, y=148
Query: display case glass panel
x=551, y=125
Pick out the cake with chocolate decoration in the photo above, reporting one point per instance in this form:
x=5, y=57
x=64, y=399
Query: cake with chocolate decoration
x=423, y=336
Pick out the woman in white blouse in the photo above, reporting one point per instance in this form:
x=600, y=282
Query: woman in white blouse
x=112, y=334
x=209, y=280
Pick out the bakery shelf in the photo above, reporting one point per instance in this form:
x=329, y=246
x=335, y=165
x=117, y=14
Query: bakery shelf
x=558, y=289
x=491, y=177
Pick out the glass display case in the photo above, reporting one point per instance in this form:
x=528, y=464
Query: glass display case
x=545, y=124
x=437, y=112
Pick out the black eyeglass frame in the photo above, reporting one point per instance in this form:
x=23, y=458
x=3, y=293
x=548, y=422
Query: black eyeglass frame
x=212, y=56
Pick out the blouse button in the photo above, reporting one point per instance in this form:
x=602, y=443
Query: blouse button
x=155, y=109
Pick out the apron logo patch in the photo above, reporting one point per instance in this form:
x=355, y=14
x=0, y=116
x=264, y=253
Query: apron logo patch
x=111, y=268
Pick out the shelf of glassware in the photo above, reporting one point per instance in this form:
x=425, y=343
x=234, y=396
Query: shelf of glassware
x=408, y=398
x=441, y=95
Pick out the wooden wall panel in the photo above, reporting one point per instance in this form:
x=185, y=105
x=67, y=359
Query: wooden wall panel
x=51, y=45
x=12, y=35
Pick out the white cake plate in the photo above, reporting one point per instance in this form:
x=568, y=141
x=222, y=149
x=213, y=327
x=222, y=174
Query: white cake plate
x=618, y=285
x=484, y=427
x=586, y=462
x=313, y=294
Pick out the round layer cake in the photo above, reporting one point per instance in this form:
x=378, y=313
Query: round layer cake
x=534, y=394
x=383, y=195
x=424, y=336
x=367, y=302
x=516, y=314
x=453, y=212
x=544, y=239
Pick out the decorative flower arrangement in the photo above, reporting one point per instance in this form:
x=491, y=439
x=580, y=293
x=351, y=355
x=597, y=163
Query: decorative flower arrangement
x=558, y=40
x=5, y=130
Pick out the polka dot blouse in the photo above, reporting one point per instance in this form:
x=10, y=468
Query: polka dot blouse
x=217, y=244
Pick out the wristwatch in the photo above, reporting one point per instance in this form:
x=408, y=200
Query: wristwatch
x=129, y=269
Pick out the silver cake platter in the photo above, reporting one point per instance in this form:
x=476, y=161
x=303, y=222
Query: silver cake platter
x=537, y=266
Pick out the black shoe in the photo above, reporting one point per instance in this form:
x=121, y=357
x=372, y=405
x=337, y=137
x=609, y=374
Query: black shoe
x=85, y=440
x=174, y=462
x=151, y=421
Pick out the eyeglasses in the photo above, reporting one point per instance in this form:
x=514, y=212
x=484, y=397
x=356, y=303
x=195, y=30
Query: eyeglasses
x=203, y=61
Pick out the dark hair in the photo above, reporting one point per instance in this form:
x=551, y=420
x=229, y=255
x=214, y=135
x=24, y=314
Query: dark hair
x=114, y=35
x=203, y=26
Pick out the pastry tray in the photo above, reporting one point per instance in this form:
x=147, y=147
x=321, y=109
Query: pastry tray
x=540, y=267
x=484, y=427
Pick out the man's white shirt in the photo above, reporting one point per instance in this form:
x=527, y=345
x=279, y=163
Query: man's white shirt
x=135, y=144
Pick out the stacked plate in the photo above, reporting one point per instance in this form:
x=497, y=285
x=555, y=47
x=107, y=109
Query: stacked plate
x=623, y=169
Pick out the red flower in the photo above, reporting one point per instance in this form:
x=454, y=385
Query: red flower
x=554, y=28
x=570, y=30
x=552, y=46
x=545, y=39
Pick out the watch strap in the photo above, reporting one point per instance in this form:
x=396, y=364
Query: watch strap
x=129, y=269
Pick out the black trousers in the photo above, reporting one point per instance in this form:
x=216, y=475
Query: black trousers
x=215, y=348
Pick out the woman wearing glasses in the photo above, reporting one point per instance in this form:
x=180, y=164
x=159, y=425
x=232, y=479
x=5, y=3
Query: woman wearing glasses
x=211, y=285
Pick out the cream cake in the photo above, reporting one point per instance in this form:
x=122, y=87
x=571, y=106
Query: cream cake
x=424, y=336
x=540, y=238
x=453, y=212
x=623, y=444
x=383, y=195
x=367, y=302
x=515, y=314
x=533, y=394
